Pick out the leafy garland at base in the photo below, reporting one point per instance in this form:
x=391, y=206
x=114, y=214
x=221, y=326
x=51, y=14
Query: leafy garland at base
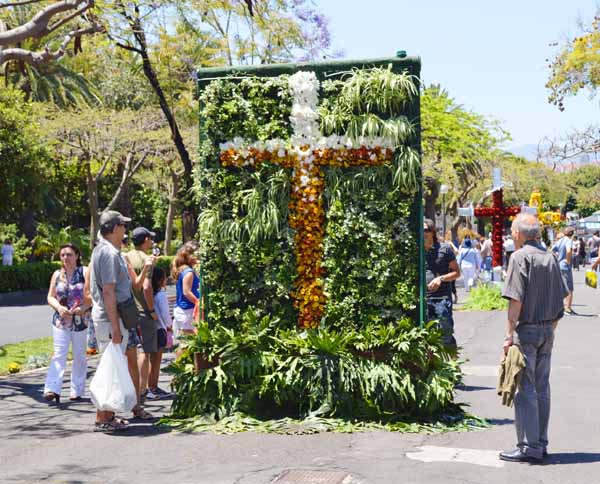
x=238, y=422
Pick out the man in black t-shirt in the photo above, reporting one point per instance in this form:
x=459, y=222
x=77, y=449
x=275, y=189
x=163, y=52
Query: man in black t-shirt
x=441, y=269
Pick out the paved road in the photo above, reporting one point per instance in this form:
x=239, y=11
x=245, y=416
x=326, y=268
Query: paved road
x=24, y=322
x=41, y=444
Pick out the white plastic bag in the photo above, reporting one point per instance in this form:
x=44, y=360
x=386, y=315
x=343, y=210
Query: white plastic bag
x=111, y=388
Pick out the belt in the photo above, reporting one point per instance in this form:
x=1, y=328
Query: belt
x=535, y=323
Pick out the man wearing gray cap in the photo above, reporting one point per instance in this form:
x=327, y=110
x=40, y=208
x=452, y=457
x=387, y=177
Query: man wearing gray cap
x=110, y=284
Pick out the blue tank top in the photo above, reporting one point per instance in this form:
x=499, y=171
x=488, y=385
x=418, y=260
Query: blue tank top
x=182, y=301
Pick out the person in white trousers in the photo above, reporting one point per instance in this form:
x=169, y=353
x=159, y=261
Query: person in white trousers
x=469, y=261
x=69, y=324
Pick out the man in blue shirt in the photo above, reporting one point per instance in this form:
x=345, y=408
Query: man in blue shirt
x=564, y=253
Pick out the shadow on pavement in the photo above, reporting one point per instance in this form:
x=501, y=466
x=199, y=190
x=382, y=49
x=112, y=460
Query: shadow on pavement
x=500, y=421
x=13, y=388
x=565, y=458
x=472, y=388
x=64, y=474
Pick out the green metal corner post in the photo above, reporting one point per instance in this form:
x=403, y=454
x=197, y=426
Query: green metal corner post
x=204, y=289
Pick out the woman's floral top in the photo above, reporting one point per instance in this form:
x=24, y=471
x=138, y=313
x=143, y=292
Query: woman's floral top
x=70, y=295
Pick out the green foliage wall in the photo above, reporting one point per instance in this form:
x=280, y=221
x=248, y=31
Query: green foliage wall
x=248, y=251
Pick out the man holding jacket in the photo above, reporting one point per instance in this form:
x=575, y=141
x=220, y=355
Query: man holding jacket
x=535, y=290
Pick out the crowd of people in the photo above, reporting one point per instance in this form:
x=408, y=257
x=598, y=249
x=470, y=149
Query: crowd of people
x=98, y=297
x=448, y=260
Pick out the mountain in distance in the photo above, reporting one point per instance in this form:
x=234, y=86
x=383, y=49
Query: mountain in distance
x=529, y=152
x=526, y=151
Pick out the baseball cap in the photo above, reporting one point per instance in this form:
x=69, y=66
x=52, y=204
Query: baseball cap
x=110, y=218
x=139, y=234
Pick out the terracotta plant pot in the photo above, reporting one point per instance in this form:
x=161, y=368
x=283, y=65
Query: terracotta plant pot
x=201, y=362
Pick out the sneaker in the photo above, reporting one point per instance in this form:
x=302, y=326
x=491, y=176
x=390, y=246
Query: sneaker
x=161, y=393
x=150, y=395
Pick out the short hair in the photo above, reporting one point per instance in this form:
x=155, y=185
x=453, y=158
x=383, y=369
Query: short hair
x=107, y=229
x=528, y=225
x=569, y=231
x=431, y=226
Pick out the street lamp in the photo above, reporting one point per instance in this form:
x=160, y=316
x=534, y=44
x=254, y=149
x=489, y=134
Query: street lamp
x=443, y=191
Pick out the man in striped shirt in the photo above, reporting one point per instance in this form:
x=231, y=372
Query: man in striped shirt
x=535, y=290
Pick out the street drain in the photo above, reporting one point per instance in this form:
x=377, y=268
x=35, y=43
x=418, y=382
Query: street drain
x=313, y=477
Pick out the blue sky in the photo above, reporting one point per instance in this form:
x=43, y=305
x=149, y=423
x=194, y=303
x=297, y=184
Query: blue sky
x=489, y=55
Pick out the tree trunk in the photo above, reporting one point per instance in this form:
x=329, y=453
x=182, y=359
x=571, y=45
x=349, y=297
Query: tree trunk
x=173, y=190
x=189, y=210
x=27, y=226
x=431, y=193
x=92, y=190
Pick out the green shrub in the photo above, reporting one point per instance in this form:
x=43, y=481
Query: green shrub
x=164, y=262
x=19, y=242
x=485, y=298
x=49, y=239
x=26, y=277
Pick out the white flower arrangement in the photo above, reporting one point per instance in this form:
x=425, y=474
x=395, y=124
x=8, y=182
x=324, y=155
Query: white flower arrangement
x=307, y=142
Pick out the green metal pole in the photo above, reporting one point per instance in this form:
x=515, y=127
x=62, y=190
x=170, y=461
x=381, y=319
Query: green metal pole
x=204, y=289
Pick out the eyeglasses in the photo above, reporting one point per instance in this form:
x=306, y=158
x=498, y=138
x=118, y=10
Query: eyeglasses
x=427, y=230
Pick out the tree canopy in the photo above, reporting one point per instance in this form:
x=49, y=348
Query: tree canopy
x=576, y=66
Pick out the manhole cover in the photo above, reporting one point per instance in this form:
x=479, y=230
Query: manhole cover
x=313, y=477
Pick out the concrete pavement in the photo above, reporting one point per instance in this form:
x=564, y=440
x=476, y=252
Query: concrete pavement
x=46, y=444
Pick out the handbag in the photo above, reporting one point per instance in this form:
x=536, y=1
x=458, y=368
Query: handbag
x=591, y=279
x=129, y=313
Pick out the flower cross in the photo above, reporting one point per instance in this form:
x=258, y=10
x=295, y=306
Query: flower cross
x=306, y=153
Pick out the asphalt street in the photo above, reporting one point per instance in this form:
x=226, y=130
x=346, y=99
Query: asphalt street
x=46, y=444
x=22, y=321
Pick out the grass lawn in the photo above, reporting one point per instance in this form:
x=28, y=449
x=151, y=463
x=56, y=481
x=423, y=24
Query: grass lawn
x=19, y=352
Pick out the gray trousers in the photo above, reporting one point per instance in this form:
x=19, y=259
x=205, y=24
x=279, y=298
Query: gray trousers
x=532, y=400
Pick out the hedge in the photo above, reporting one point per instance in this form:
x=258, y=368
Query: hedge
x=26, y=277
x=36, y=275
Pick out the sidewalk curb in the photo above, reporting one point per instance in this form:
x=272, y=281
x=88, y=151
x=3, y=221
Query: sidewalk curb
x=41, y=369
x=23, y=298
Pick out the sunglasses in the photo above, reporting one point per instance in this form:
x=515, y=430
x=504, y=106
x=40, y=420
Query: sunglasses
x=427, y=230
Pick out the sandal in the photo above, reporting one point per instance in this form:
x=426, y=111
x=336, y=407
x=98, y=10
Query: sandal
x=52, y=396
x=111, y=426
x=141, y=413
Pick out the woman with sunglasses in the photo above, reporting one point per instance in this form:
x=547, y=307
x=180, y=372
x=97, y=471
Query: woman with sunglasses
x=70, y=321
x=441, y=269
